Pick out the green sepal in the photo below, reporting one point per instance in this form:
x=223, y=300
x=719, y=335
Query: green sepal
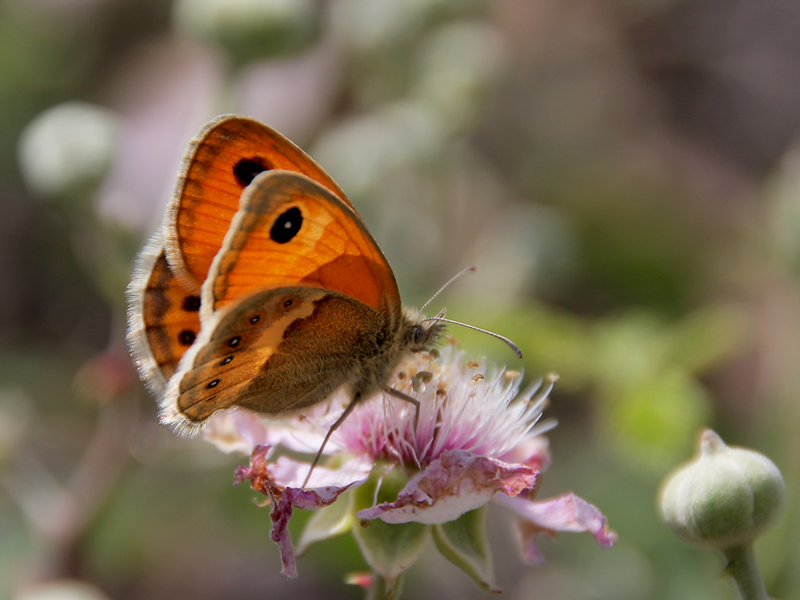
x=327, y=522
x=385, y=590
x=463, y=542
x=389, y=549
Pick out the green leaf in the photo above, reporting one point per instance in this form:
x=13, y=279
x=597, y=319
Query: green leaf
x=388, y=549
x=650, y=422
x=463, y=542
x=327, y=522
x=707, y=337
x=391, y=549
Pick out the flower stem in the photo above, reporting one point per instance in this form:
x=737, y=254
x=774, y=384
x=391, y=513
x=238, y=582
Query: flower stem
x=383, y=590
x=742, y=566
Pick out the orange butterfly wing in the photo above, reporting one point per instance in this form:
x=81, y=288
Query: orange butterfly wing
x=163, y=318
x=292, y=231
x=221, y=162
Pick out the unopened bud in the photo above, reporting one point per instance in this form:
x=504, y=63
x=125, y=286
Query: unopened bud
x=724, y=497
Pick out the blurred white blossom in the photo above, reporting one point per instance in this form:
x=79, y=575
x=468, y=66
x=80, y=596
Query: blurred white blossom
x=67, y=147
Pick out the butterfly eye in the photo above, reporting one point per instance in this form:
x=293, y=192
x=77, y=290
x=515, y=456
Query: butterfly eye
x=246, y=170
x=286, y=225
x=420, y=334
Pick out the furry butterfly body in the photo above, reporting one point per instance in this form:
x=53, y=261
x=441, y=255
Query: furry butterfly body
x=263, y=287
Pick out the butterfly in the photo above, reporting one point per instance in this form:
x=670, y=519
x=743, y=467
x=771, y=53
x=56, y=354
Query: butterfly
x=263, y=288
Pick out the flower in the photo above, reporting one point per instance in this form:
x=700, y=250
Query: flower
x=68, y=148
x=477, y=439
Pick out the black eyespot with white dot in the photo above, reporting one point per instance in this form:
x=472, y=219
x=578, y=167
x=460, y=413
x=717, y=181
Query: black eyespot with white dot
x=226, y=360
x=288, y=303
x=247, y=168
x=186, y=337
x=213, y=384
x=254, y=320
x=234, y=341
x=287, y=225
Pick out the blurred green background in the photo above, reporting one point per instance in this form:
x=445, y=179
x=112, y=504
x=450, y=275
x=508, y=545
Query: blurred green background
x=625, y=174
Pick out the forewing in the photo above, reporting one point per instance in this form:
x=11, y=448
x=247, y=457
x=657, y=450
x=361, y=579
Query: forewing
x=292, y=231
x=221, y=162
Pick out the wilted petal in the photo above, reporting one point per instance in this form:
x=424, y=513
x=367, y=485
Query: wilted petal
x=455, y=483
x=280, y=482
x=280, y=515
x=257, y=471
x=563, y=513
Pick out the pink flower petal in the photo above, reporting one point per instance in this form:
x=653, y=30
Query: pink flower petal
x=290, y=473
x=563, y=513
x=241, y=430
x=281, y=481
x=360, y=579
x=236, y=431
x=455, y=483
x=533, y=451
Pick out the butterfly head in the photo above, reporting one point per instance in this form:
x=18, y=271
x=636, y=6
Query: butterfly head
x=422, y=334
x=426, y=334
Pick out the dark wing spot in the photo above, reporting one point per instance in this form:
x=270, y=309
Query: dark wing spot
x=191, y=303
x=288, y=303
x=227, y=360
x=246, y=169
x=213, y=384
x=186, y=337
x=234, y=341
x=254, y=320
x=287, y=225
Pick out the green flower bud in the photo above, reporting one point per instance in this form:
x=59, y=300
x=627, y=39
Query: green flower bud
x=724, y=497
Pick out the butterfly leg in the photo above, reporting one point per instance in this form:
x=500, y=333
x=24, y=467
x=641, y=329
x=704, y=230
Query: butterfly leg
x=333, y=428
x=397, y=394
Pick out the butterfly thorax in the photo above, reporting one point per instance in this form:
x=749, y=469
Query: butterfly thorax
x=413, y=335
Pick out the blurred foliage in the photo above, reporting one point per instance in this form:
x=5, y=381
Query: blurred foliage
x=624, y=174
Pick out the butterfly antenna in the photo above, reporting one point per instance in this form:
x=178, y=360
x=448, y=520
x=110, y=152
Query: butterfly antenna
x=503, y=338
x=452, y=279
